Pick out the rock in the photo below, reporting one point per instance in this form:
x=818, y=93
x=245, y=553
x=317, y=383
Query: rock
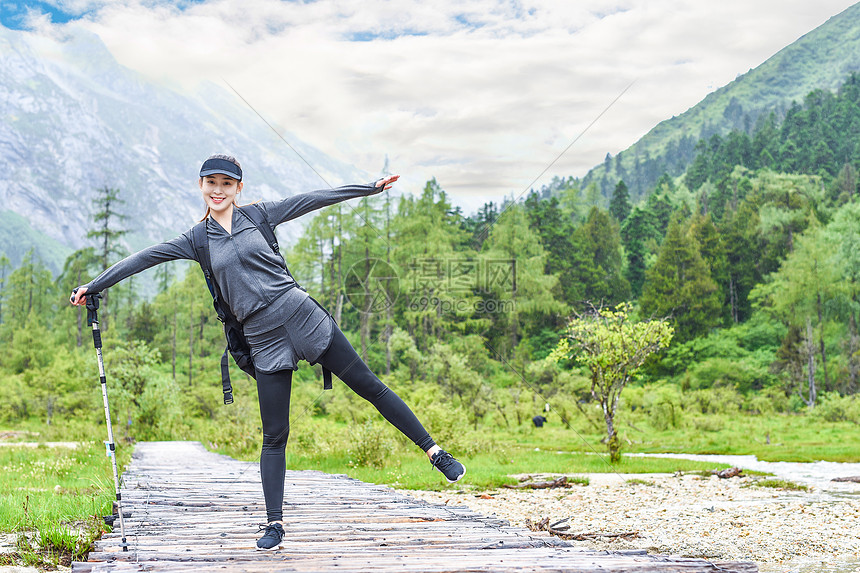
x=728, y=473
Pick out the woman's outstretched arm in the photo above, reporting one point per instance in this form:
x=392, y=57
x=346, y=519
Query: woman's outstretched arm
x=297, y=205
x=178, y=248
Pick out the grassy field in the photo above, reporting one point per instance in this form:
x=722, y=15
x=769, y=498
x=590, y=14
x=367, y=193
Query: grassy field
x=497, y=454
x=777, y=437
x=54, y=499
x=412, y=470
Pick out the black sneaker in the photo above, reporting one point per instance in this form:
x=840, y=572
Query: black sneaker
x=448, y=465
x=272, y=538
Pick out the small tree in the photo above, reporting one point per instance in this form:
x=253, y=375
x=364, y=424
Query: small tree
x=107, y=237
x=614, y=348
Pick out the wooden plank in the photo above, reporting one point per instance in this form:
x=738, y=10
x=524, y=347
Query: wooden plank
x=192, y=510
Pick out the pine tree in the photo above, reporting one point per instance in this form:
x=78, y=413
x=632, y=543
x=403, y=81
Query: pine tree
x=570, y=201
x=593, y=196
x=107, y=201
x=843, y=234
x=515, y=264
x=436, y=267
x=107, y=236
x=659, y=204
x=597, y=260
x=741, y=239
x=77, y=266
x=619, y=205
x=30, y=289
x=797, y=292
x=638, y=231
x=556, y=232
x=680, y=285
x=714, y=254
x=844, y=188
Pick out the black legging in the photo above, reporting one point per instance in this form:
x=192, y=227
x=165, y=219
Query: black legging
x=274, y=393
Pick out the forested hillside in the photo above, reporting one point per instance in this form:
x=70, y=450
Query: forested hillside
x=820, y=60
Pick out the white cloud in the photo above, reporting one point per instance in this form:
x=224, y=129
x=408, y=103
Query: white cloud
x=482, y=95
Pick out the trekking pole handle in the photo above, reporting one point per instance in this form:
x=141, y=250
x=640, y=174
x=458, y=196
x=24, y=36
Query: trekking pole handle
x=93, y=316
x=92, y=306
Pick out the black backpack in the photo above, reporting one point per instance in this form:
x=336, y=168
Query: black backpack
x=237, y=344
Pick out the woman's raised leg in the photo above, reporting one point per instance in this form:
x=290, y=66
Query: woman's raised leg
x=345, y=363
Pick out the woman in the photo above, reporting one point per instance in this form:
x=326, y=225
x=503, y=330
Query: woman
x=282, y=324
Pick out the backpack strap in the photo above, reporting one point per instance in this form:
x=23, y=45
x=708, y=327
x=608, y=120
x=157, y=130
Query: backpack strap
x=258, y=216
x=200, y=242
x=226, y=387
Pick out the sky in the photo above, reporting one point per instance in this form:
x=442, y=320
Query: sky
x=482, y=95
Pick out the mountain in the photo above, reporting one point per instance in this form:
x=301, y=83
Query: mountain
x=75, y=120
x=821, y=59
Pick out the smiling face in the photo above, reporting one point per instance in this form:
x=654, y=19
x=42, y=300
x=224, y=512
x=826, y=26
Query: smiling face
x=219, y=192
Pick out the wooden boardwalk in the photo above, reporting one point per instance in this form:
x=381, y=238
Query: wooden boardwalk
x=192, y=510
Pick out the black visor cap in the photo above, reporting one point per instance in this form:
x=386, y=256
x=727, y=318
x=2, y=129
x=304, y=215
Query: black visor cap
x=222, y=166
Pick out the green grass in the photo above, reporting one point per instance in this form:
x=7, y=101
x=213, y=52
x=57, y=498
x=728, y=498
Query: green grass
x=493, y=454
x=778, y=484
x=51, y=485
x=54, y=498
x=411, y=470
x=793, y=438
x=66, y=486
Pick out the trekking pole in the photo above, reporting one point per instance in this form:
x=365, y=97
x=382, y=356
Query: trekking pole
x=93, y=320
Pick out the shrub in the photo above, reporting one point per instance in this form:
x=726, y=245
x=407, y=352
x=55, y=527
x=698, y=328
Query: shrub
x=719, y=400
x=159, y=415
x=767, y=401
x=744, y=376
x=708, y=424
x=796, y=404
x=663, y=404
x=448, y=425
x=832, y=407
x=370, y=445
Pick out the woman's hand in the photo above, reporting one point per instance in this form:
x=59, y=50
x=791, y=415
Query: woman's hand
x=78, y=298
x=386, y=183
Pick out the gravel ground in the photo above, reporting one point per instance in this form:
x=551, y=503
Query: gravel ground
x=690, y=515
